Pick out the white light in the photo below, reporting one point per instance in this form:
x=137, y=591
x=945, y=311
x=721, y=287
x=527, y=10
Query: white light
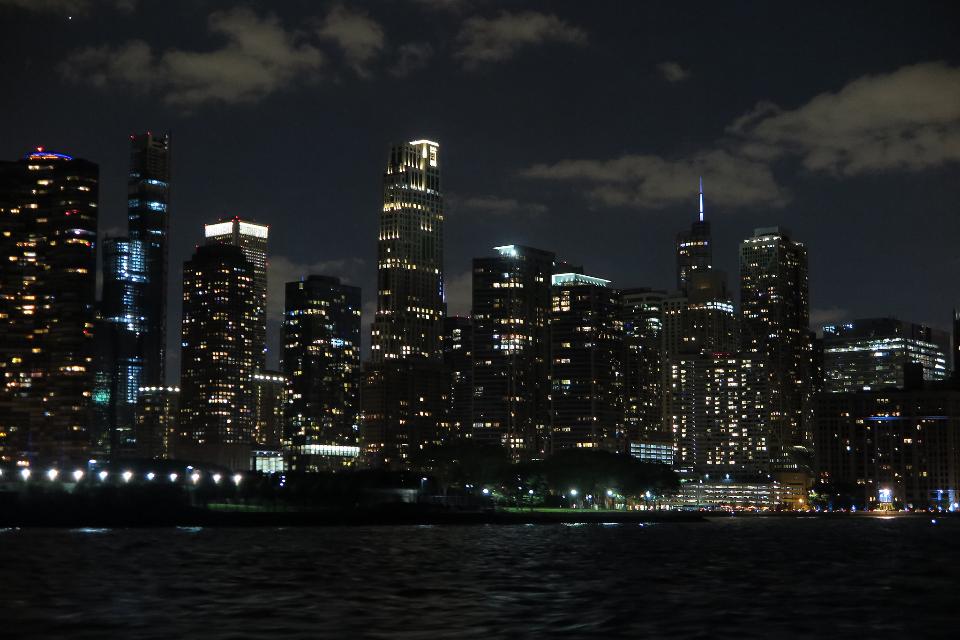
x=486, y=492
x=127, y=475
x=647, y=494
x=573, y=492
x=103, y=475
x=77, y=475
x=173, y=477
x=25, y=474
x=151, y=475
x=610, y=492
x=216, y=478
x=195, y=477
x=530, y=492
x=237, y=479
x=52, y=474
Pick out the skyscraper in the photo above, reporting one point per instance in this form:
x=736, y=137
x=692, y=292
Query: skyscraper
x=405, y=387
x=586, y=341
x=410, y=300
x=458, y=364
x=251, y=238
x=694, y=248
x=642, y=317
x=321, y=360
x=775, y=318
x=218, y=356
x=48, y=213
x=511, y=349
x=872, y=353
x=155, y=428
x=270, y=399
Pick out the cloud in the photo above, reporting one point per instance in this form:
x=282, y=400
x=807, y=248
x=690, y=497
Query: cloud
x=673, y=72
x=484, y=40
x=497, y=206
x=907, y=119
x=652, y=182
x=831, y=315
x=258, y=57
x=411, y=57
x=459, y=293
x=359, y=37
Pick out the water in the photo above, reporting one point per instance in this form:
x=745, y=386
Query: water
x=731, y=577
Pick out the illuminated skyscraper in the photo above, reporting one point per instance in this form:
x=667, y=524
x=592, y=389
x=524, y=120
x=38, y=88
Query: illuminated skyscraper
x=155, y=428
x=48, y=233
x=410, y=302
x=252, y=238
x=321, y=361
x=218, y=356
x=586, y=342
x=458, y=365
x=270, y=393
x=511, y=349
x=775, y=318
x=694, y=248
x=642, y=317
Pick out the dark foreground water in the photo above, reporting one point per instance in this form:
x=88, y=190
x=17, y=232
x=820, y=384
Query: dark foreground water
x=731, y=577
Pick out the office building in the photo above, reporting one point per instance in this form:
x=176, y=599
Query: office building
x=218, y=356
x=641, y=363
x=155, y=429
x=48, y=240
x=775, y=318
x=512, y=301
x=251, y=238
x=694, y=248
x=270, y=397
x=458, y=364
x=871, y=353
x=321, y=360
x=586, y=342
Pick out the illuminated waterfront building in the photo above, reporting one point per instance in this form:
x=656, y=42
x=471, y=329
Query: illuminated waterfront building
x=155, y=427
x=775, y=318
x=694, y=248
x=270, y=393
x=321, y=360
x=48, y=233
x=251, y=238
x=586, y=342
x=404, y=387
x=218, y=356
x=641, y=363
x=871, y=353
x=512, y=301
x=458, y=364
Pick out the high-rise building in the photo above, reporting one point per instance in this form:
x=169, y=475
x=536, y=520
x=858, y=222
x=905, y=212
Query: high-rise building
x=410, y=300
x=155, y=427
x=702, y=320
x=586, y=342
x=641, y=363
x=871, y=353
x=321, y=360
x=270, y=397
x=458, y=364
x=775, y=318
x=48, y=214
x=511, y=349
x=694, y=248
x=716, y=407
x=218, y=356
x=404, y=387
x=956, y=343
x=251, y=238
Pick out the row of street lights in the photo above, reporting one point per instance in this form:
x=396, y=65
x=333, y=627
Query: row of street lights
x=127, y=476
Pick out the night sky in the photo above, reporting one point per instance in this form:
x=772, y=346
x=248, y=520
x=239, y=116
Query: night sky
x=579, y=127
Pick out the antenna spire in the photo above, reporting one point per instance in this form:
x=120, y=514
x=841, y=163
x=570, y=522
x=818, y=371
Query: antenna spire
x=701, y=198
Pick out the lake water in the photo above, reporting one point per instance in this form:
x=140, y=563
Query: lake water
x=730, y=577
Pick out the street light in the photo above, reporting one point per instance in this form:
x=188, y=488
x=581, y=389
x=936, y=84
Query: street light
x=216, y=478
x=195, y=477
x=151, y=475
x=78, y=475
x=103, y=475
x=127, y=475
x=173, y=477
x=25, y=474
x=52, y=474
x=237, y=478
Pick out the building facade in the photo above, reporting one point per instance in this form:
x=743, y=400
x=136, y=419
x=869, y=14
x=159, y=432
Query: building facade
x=270, y=393
x=155, y=427
x=458, y=364
x=641, y=363
x=48, y=266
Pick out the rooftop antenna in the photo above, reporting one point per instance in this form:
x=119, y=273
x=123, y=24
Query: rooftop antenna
x=701, y=198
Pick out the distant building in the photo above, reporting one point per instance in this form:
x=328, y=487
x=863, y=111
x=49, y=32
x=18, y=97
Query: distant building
x=775, y=319
x=511, y=349
x=652, y=450
x=218, y=356
x=694, y=248
x=321, y=359
x=641, y=363
x=48, y=271
x=155, y=429
x=871, y=353
x=702, y=320
x=458, y=364
x=270, y=392
x=891, y=445
x=251, y=238
x=586, y=342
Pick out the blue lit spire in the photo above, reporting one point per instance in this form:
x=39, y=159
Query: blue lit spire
x=701, y=198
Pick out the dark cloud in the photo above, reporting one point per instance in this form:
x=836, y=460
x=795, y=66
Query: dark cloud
x=487, y=40
x=672, y=72
x=410, y=57
x=359, y=36
x=459, y=293
x=497, y=206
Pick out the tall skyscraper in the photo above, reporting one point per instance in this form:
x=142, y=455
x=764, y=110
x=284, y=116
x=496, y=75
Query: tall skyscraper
x=872, y=353
x=458, y=364
x=410, y=299
x=694, y=248
x=586, y=342
x=642, y=317
x=270, y=399
x=321, y=360
x=511, y=349
x=956, y=343
x=251, y=238
x=405, y=387
x=702, y=320
x=48, y=239
x=218, y=356
x=775, y=318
